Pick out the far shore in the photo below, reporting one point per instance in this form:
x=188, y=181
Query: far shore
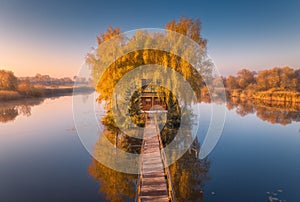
x=281, y=96
x=44, y=92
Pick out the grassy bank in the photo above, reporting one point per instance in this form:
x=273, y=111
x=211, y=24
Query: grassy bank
x=60, y=90
x=278, y=96
x=270, y=95
x=9, y=95
x=6, y=95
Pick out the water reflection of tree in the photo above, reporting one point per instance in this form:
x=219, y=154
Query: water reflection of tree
x=188, y=174
x=8, y=114
x=273, y=112
x=114, y=185
x=10, y=110
x=107, y=78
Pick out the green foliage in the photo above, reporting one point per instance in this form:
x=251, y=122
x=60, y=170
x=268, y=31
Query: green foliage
x=135, y=107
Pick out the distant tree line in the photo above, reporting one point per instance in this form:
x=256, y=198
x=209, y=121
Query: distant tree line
x=46, y=80
x=280, y=84
x=286, y=79
x=12, y=87
x=8, y=81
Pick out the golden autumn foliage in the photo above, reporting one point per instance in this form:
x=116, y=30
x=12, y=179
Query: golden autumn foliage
x=284, y=78
x=277, y=84
x=123, y=62
x=8, y=81
x=12, y=89
x=27, y=89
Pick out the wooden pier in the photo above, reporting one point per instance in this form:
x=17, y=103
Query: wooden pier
x=154, y=178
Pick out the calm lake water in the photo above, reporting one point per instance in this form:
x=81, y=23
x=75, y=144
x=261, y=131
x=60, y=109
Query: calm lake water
x=42, y=158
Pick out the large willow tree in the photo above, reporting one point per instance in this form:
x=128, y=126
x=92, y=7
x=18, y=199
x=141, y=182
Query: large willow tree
x=171, y=55
x=106, y=73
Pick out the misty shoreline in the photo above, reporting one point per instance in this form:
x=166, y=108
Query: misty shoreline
x=7, y=96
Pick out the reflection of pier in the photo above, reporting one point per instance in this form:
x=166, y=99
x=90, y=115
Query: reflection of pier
x=154, y=179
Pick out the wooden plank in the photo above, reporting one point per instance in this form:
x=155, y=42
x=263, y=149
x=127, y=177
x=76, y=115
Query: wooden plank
x=153, y=185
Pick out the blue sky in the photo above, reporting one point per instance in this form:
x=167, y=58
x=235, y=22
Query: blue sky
x=53, y=37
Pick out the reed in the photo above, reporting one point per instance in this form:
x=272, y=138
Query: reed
x=9, y=95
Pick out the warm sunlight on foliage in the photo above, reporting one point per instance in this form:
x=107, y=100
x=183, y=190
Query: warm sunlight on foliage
x=127, y=62
x=284, y=78
x=8, y=81
x=280, y=84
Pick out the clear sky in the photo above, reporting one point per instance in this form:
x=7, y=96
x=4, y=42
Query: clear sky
x=53, y=37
